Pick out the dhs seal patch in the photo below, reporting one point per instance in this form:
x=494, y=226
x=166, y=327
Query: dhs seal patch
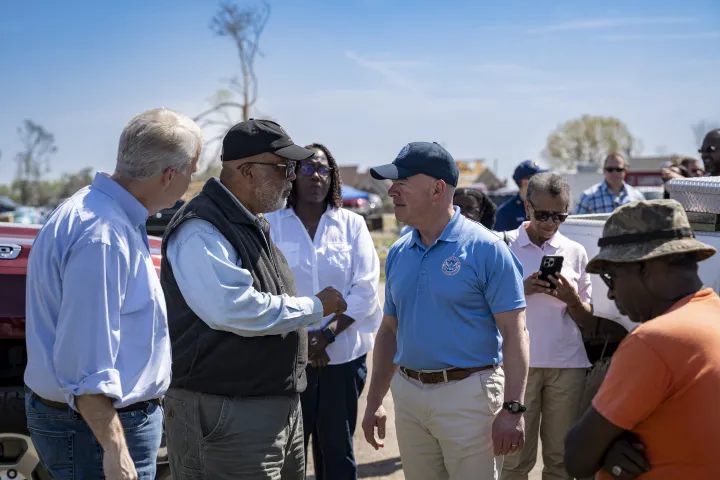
x=451, y=266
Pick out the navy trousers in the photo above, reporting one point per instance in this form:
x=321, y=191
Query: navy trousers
x=330, y=410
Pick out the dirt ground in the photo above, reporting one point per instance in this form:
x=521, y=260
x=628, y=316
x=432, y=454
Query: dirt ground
x=384, y=464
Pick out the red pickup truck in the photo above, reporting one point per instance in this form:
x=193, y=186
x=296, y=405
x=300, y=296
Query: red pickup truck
x=18, y=458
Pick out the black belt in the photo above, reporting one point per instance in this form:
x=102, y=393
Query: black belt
x=443, y=376
x=64, y=406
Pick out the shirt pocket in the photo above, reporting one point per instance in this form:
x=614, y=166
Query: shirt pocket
x=339, y=254
x=291, y=251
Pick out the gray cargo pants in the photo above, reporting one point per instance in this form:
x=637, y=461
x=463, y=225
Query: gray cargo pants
x=214, y=437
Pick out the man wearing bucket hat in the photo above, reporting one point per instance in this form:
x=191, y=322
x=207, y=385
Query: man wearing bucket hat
x=650, y=417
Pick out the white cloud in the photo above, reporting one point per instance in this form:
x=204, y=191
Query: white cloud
x=605, y=23
x=657, y=36
x=390, y=70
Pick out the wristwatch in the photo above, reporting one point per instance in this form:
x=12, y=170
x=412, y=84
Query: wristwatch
x=514, y=407
x=329, y=334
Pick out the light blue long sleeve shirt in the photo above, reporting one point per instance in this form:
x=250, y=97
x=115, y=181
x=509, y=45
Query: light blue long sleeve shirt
x=220, y=291
x=95, y=317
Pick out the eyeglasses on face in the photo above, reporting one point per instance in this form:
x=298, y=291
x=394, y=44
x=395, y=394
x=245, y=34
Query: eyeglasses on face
x=289, y=166
x=545, y=215
x=469, y=210
x=309, y=170
x=614, y=169
x=707, y=151
x=607, y=278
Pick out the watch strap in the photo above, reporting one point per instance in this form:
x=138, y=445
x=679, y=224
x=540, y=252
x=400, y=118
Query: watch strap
x=514, y=407
x=329, y=334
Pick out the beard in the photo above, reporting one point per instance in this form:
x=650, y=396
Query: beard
x=269, y=196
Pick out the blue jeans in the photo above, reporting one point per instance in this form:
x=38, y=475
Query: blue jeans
x=69, y=450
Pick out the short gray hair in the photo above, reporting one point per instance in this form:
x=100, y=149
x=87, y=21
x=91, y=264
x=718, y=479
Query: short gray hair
x=550, y=183
x=156, y=140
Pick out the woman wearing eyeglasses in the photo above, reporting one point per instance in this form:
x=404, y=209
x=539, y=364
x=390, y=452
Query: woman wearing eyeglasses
x=326, y=245
x=555, y=311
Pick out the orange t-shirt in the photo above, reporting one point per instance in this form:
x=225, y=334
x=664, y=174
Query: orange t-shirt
x=663, y=384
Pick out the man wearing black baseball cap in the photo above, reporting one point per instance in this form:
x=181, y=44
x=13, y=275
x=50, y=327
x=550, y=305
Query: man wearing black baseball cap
x=453, y=291
x=237, y=327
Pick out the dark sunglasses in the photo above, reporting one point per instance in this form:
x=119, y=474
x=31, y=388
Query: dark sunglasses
x=309, y=170
x=289, y=166
x=614, y=169
x=608, y=280
x=710, y=149
x=544, y=215
x=469, y=210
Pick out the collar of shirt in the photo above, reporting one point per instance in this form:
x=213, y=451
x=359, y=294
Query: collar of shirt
x=524, y=240
x=451, y=233
x=135, y=211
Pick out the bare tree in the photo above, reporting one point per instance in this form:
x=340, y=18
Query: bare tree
x=34, y=160
x=701, y=128
x=244, y=26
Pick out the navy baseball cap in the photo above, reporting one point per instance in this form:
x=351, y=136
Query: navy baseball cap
x=527, y=169
x=420, y=157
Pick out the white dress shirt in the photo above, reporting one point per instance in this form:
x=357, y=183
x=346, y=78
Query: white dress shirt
x=555, y=339
x=220, y=291
x=342, y=256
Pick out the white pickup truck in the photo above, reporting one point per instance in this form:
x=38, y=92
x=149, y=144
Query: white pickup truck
x=699, y=196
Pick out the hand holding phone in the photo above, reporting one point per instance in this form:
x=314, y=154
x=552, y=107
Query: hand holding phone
x=550, y=265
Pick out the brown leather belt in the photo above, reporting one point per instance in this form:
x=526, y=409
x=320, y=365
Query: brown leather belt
x=443, y=376
x=64, y=406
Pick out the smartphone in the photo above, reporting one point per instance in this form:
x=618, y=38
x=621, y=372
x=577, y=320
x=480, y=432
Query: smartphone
x=550, y=265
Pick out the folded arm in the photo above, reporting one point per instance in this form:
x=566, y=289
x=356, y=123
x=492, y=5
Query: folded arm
x=216, y=287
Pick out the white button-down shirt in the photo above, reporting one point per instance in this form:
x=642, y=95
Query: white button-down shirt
x=342, y=256
x=555, y=339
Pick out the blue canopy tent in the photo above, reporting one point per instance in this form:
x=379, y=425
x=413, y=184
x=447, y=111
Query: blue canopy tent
x=350, y=193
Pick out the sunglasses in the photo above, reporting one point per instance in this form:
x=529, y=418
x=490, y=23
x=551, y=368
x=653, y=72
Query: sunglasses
x=710, y=149
x=310, y=170
x=289, y=166
x=614, y=169
x=544, y=215
x=608, y=280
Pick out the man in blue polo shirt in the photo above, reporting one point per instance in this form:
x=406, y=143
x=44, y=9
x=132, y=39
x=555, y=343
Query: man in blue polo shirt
x=511, y=214
x=454, y=308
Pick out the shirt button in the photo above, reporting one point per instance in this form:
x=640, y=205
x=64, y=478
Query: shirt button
x=425, y=256
x=422, y=271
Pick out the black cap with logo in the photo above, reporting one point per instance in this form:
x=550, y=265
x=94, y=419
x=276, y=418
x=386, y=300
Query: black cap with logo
x=254, y=137
x=428, y=158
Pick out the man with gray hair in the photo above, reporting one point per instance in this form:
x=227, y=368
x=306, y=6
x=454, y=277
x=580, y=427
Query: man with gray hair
x=96, y=329
x=237, y=325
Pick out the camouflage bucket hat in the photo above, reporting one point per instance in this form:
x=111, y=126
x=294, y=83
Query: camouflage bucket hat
x=645, y=230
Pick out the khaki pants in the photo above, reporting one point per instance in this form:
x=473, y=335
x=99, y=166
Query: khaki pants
x=444, y=430
x=553, y=394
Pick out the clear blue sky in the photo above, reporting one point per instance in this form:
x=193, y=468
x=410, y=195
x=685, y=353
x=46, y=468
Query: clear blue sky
x=487, y=79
